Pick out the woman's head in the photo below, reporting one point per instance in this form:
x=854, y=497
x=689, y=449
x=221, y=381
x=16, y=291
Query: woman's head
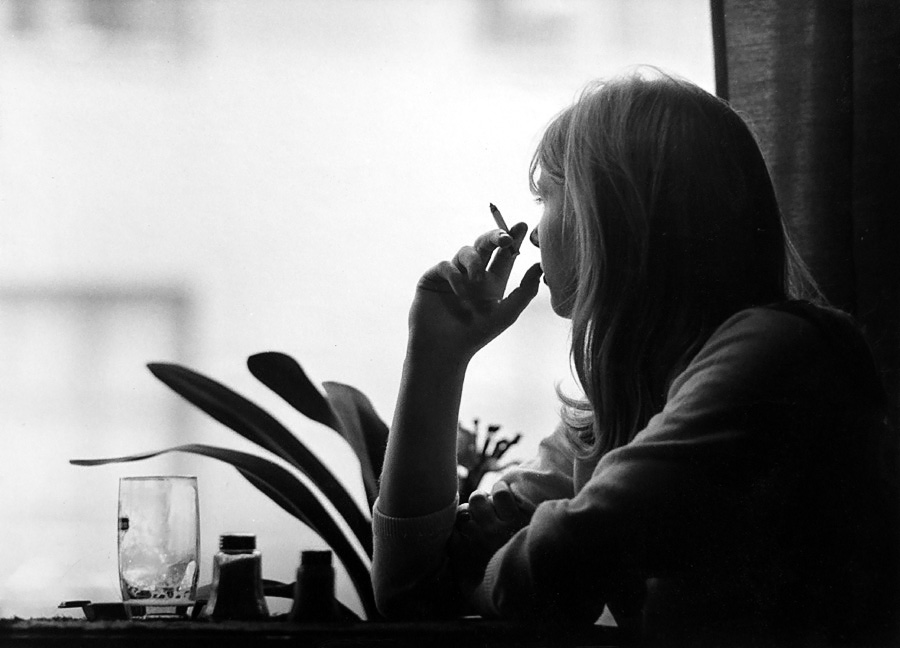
x=666, y=223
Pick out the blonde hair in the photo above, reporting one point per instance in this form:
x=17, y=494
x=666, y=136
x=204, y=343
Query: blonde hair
x=675, y=227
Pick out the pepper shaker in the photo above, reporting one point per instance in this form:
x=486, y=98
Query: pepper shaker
x=314, y=590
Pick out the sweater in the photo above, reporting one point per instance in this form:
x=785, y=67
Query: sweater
x=759, y=504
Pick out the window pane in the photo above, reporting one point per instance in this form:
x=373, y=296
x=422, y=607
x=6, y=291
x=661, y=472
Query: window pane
x=292, y=167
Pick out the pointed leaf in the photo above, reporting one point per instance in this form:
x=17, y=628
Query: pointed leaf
x=274, y=481
x=277, y=497
x=254, y=423
x=364, y=430
x=284, y=375
x=292, y=495
x=245, y=463
x=346, y=410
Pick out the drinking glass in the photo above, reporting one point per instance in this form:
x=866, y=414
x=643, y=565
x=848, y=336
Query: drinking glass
x=159, y=541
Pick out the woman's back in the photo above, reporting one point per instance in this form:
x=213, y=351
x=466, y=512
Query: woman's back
x=760, y=503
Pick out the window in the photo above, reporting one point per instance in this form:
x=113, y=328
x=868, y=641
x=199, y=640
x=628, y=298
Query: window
x=293, y=167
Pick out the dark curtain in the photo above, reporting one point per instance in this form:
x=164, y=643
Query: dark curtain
x=820, y=82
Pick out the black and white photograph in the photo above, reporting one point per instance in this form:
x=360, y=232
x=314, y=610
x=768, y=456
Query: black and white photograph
x=476, y=323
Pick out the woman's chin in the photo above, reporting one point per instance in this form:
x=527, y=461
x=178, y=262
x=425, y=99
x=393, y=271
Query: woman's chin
x=562, y=307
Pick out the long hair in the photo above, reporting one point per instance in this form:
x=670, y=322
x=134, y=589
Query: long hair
x=673, y=224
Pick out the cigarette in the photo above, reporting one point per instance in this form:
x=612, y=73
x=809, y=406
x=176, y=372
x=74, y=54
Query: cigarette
x=498, y=218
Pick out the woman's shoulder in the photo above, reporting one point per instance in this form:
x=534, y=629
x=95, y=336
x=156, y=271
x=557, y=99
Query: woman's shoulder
x=791, y=318
x=794, y=317
x=788, y=329
x=791, y=343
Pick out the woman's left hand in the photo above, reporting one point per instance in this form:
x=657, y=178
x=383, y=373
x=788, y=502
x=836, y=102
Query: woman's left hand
x=483, y=525
x=459, y=305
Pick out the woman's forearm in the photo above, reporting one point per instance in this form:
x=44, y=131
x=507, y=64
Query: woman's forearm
x=455, y=312
x=419, y=475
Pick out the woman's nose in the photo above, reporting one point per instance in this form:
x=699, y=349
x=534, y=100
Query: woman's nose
x=533, y=237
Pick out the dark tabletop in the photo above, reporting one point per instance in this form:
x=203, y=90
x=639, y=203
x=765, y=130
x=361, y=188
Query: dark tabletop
x=464, y=633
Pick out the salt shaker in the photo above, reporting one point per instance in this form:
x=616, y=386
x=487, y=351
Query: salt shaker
x=237, y=590
x=314, y=590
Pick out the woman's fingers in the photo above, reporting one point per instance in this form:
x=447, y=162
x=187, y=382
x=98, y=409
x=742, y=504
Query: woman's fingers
x=464, y=521
x=490, y=520
x=504, y=260
x=490, y=241
x=509, y=309
x=445, y=277
x=469, y=261
x=501, y=505
x=461, y=304
x=502, y=493
x=472, y=263
x=481, y=509
x=473, y=259
x=505, y=504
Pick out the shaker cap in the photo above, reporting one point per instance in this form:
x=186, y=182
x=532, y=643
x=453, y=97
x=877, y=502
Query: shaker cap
x=315, y=557
x=237, y=542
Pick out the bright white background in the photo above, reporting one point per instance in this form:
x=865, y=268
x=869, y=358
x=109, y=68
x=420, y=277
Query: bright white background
x=283, y=172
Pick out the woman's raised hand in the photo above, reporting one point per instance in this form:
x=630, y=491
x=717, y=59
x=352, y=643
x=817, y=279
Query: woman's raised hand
x=459, y=305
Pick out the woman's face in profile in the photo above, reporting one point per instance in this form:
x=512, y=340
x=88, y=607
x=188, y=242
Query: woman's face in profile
x=557, y=256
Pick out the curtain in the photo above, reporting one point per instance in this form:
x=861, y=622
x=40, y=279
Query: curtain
x=819, y=81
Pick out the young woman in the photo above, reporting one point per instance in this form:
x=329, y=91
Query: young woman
x=727, y=475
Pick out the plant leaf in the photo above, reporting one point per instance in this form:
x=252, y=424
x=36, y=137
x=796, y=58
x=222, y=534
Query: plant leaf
x=252, y=422
x=345, y=410
x=277, y=497
x=291, y=494
x=284, y=375
x=246, y=464
x=364, y=430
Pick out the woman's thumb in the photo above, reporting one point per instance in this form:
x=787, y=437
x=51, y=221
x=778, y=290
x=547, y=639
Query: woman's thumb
x=511, y=307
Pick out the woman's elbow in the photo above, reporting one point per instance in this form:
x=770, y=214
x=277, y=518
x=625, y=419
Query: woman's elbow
x=414, y=600
x=413, y=605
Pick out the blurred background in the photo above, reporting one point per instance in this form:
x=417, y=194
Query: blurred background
x=195, y=181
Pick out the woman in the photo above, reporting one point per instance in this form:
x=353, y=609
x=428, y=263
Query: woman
x=724, y=476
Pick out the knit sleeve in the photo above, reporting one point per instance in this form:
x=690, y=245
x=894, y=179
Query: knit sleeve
x=412, y=576
x=654, y=505
x=410, y=573
x=548, y=476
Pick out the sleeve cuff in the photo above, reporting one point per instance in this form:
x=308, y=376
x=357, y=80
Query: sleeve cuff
x=421, y=527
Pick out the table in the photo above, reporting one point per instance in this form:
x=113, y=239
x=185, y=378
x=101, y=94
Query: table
x=462, y=633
